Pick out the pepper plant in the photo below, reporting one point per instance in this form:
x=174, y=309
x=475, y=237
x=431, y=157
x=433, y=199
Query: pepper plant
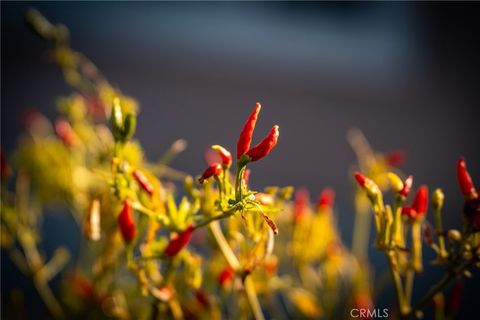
x=161, y=244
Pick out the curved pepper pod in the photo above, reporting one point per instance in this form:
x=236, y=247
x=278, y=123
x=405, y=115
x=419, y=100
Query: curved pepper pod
x=245, y=139
x=177, y=244
x=265, y=146
x=465, y=181
x=214, y=170
x=126, y=222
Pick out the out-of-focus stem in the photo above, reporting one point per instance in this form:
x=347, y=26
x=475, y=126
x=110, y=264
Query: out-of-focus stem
x=397, y=281
x=223, y=215
x=235, y=264
x=410, y=278
x=224, y=246
x=361, y=232
x=253, y=299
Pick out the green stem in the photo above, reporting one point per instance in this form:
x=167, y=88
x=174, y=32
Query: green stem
x=441, y=236
x=223, y=215
x=397, y=281
x=361, y=232
x=409, y=281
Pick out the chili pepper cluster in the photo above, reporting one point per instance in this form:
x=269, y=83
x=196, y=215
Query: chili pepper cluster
x=457, y=251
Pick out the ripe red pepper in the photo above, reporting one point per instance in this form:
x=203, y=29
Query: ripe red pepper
x=142, y=180
x=178, y=243
x=361, y=179
x=265, y=146
x=213, y=170
x=419, y=206
x=395, y=158
x=407, y=185
x=326, y=198
x=4, y=169
x=420, y=202
x=126, y=222
x=300, y=204
x=65, y=132
x=225, y=276
x=224, y=154
x=455, y=298
x=245, y=139
x=465, y=181
x=202, y=298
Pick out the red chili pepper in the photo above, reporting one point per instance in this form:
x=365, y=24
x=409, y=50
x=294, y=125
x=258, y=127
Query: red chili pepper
x=65, y=132
x=420, y=202
x=126, y=222
x=407, y=185
x=142, y=180
x=464, y=180
x=455, y=298
x=265, y=146
x=300, y=205
x=4, y=169
x=245, y=139
x=364, y=305
x=202, y=298
x=361, y=179
x=224, y=154
x=225, y=276
x=395, y=158
x=419, y=206
x=326, y=198
x=81, y=286
x=213, y=170
x=178, y=243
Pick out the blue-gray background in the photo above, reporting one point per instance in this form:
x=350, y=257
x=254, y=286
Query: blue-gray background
x=406, y=74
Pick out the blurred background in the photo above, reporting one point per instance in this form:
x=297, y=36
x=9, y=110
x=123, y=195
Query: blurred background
x=406, y=74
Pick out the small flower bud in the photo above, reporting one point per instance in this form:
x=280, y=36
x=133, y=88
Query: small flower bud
x=130, y=125
x=438, y=198
x=454, y=235
x=395, y=182
x=116, y=120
